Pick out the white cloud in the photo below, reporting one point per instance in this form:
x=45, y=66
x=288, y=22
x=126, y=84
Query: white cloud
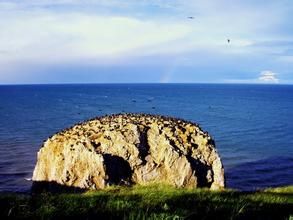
x=268, y=76
x=34, y=30
x=45, y=32
x=51, y=36
x=42, y=36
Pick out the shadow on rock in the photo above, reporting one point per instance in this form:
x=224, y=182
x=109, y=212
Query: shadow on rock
x=201, y=171
x=118, y=170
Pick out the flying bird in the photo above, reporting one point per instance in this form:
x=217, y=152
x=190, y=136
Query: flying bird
x=228, y=40
x=190, y=17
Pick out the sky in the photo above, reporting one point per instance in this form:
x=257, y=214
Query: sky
x=146, y=41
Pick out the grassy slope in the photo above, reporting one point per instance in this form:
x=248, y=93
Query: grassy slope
x=152, y=202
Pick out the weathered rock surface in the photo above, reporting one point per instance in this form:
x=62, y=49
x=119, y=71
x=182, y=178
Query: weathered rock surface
x=130, y=149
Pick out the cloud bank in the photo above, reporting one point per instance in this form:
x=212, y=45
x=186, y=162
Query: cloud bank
x=43, y=34
x=268, y=76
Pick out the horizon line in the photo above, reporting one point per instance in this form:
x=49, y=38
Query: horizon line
x=139, y=83
x=142, y=83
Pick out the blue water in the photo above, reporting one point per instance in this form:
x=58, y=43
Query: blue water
x=251, y=124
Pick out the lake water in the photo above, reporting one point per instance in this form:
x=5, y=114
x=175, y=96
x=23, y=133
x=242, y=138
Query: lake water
x=252, y=124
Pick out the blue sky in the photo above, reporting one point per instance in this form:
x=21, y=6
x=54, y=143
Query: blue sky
x=114, y=41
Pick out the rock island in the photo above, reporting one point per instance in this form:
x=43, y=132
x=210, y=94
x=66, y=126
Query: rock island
x=127, y=149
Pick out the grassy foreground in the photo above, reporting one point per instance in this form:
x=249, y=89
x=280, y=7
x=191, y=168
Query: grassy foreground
x=151, y=202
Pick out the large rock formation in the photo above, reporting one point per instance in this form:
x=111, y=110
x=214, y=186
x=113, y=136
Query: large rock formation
x=130, y=149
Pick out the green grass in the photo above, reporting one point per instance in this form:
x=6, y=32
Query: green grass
x=151, y=202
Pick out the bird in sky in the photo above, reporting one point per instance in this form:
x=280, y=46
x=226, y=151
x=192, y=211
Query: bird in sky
x=190, y=17
x=228, y=40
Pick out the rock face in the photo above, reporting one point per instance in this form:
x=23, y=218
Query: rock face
x=130, y=149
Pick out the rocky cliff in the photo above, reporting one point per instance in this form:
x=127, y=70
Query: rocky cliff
x=130, y=149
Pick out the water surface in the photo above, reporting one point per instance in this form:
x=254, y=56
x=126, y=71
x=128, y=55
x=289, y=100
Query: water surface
x=251, y=124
